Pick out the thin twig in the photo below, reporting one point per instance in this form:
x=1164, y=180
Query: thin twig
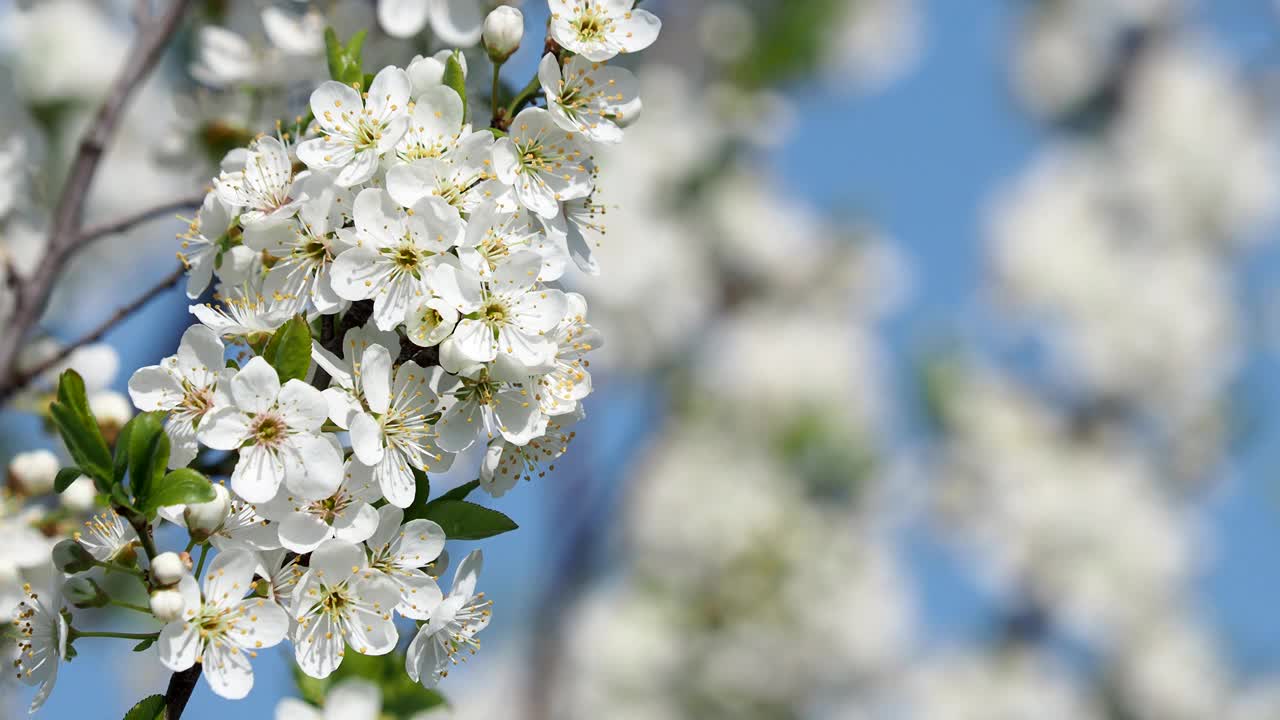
x=129, y=222
x=20, y=379
x=65, y=237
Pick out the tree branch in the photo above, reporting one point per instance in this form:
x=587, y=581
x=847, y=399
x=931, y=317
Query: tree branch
x=129, y=222
x=65, y=238
x=19, y=379
x=181, y=685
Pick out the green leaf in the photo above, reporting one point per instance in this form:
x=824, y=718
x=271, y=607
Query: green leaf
x=344, y=60
x=149, y=708
x=65, y=477
x=461, y=492
x=183, y=486
x=148, y=455
x=120, y=462
x=335, y=54
x=457, y=80
x=83, y=439
x=289, y=351
x=144, y=645
x=463, y=520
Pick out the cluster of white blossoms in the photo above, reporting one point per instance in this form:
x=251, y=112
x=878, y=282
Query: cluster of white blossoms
x=386, y=296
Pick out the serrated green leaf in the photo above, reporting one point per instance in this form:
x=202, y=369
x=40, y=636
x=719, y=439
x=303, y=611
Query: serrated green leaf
x=149, y=708
x=65, y=477
x=183, y=486
x=144, y=645
x=461, y=492
x=289, y=351
x=463, y=520
x=148, y=455
x=456, y=79
x=84, y=440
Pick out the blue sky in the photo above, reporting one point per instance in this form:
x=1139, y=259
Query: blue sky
x=920, y=158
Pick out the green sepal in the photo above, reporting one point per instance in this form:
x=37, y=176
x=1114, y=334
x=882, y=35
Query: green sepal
x=456, y=80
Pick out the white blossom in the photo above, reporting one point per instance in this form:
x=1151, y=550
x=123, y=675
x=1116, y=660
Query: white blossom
x=222, y=628
x=276, y=430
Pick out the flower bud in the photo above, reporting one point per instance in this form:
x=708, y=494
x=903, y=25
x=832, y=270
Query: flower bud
x=79, y=495
x=503, y=31
x=83, y=592
x=167, y=569
x=204, y=518
x=32, y=473
x=112, y=411
x=167, y=605
x=70, y=557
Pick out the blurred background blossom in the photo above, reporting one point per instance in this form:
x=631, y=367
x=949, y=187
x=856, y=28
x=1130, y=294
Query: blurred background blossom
x=938, y=379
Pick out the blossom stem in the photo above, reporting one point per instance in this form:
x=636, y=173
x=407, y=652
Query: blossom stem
x=190, y=546
x=111, y=567
x=525, y=96
x=120, y=635
x=130, y=606
x=204, y=551
x=497, y=69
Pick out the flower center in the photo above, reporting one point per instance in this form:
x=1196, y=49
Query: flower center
x=495, y=313
x=197, y=401
x=367, y=134
x=407, y=258
x=591, y=25
x=334, y=600
x=329, y=508
x=268, y=430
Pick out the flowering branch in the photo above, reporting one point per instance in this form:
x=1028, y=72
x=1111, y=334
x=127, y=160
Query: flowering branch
x=65, y=238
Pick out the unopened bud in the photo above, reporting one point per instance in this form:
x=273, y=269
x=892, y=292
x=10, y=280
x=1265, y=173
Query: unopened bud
x=112, y=410
x=503, y=31
x=70, y=557
x=203, y=519
x=83, y=592
x=167, y=605
x=33, y=473
x=79, y=495
x=168, y=568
